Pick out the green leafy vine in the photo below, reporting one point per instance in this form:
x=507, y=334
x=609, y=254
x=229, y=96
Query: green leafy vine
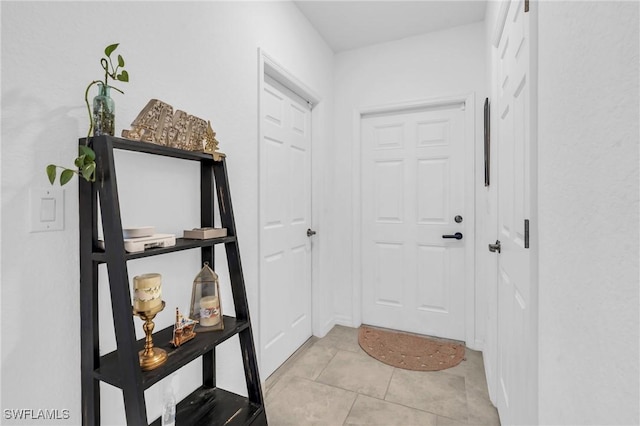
x=85, y=161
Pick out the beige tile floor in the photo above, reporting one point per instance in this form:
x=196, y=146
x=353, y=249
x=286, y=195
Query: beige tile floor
x=332, y=381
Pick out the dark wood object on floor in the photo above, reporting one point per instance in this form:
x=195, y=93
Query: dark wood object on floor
x=207, y=405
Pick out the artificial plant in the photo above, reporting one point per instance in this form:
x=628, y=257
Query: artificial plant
x=85, y=162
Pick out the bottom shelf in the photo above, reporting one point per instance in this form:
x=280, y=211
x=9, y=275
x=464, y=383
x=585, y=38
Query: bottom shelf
x=207, y=406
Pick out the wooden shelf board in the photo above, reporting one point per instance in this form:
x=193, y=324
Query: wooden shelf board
x=204, y=342
x=100, y=256
x=215, y=406
x=152, y=148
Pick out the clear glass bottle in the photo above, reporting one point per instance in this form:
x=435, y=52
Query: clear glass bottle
x=168, y=405
x=104, y=112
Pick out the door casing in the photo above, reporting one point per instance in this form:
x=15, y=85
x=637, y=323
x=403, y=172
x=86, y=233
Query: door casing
x=470, y=153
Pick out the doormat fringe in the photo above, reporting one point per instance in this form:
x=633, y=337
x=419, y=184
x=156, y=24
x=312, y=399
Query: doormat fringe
x=410, y=351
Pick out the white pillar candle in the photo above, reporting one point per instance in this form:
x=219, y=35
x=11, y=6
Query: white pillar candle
x=147, y=292
x=209, y=311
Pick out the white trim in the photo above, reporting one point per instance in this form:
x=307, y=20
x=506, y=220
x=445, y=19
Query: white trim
x=490, y=355
x=258, y=324
x=356, y=211
x=345, y=320
x=414, y=105
x=325, y=328
x=534, y=212
x=470, y=196
x=274, y=70
x=267, y=66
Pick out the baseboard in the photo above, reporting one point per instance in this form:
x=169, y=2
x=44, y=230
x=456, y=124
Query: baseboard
x=346, y=321
x=477, y=345
x=325, y=328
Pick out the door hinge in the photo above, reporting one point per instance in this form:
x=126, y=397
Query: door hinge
x=526, y=5
x=526, y=233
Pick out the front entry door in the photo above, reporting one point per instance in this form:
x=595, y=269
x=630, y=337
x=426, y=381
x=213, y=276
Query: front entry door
x=517, y=344
x=285, y=248
x=413, y=188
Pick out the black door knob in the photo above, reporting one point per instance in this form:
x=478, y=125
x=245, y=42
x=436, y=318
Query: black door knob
x=457, y=236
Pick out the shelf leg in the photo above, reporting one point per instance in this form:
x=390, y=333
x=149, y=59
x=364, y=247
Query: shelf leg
x=132, y=389
x=89, y=338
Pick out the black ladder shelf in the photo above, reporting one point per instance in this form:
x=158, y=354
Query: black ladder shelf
x=208, y=404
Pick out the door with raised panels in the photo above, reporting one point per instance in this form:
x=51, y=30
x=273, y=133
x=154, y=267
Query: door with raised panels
x=413, y=221
x=285, y=248
x=516, y=317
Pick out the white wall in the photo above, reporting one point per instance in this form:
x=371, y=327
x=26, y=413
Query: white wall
x=201, y=57
x=438, y=64
x=588, y=209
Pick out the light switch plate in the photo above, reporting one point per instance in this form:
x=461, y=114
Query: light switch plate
x=47, y=209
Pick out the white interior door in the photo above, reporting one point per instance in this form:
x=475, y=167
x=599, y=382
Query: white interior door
x=413, y=187
x=517, y=344
x=285, y=200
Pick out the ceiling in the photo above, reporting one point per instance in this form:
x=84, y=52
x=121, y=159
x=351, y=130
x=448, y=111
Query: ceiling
x=346, y=25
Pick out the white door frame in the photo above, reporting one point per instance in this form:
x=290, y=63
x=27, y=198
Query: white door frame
x=470, y=184
x=267, y=66
x=490, y=353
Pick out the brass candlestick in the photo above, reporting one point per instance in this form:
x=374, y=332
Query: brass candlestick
x=150, y=357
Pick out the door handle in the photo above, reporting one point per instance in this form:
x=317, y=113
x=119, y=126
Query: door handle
x=457, y=236
x=310, y=232
x=495, y=247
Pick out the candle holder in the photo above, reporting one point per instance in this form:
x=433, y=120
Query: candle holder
x=150, y=357
x=205, y=300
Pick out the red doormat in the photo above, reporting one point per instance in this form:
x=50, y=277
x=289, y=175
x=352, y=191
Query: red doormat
x=410, y=351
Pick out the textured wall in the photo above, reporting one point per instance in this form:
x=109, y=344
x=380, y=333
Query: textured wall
x=588, y=209
x=201, y=57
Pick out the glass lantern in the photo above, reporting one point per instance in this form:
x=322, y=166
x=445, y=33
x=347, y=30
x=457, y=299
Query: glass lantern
x=205, y=300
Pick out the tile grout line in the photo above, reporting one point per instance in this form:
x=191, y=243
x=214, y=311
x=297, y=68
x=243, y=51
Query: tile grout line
x=351, y=408
x=399, y=404
x=386, y=391
x=415, y=408
x=466, y=398
x=338, y=387
x=338, y=343
x=463, y=376
x=282, y=370
x=325, y=367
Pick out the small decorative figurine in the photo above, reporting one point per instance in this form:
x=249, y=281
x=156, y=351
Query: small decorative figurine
x=183, y=329
x=210, y=144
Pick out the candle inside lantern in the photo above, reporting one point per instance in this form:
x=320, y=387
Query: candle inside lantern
x=147, y=292
x=209, y=311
